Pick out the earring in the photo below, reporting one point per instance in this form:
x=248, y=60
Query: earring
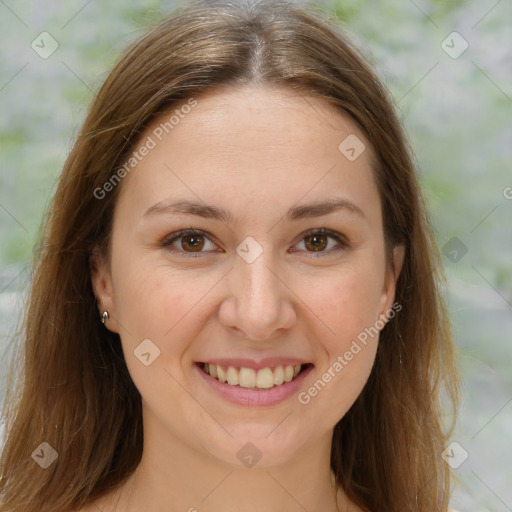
x=104, y=317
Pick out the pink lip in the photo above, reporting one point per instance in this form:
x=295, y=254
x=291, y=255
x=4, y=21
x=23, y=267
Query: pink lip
x=254, y=397
x=269, y=362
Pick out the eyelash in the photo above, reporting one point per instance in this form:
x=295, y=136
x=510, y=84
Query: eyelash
x=168, y=241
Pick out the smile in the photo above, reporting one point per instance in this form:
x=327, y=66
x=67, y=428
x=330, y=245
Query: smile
x=264, y=378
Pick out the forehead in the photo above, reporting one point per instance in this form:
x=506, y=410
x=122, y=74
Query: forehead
x=250, y=144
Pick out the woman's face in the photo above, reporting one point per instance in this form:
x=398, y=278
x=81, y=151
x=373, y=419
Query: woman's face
x=256, y=288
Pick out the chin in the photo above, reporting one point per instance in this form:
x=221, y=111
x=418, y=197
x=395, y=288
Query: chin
x=257, y=445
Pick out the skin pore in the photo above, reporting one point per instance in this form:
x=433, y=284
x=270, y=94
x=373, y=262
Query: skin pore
x=256, y=152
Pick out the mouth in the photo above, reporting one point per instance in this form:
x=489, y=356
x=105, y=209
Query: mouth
x=262, y=379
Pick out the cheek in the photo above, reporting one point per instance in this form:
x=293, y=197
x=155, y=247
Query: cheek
x=156, y=313
x=159, y=304
x=345, y=301
x=346, y=305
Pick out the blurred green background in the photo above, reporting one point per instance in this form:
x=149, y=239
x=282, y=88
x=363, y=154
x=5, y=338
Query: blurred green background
x=457, y=110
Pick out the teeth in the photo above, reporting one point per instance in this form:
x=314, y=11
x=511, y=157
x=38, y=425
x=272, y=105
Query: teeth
x=232, y=376
x=265, y=378
x=221, y=374
x=212, y=370
x=278, y=376
x=244, y=377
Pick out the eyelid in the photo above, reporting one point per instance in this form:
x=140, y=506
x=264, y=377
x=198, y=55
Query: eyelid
x=339, y=237
x=167, y=242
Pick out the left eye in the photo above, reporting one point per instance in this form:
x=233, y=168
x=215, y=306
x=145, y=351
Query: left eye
x=317, y=240
x=193, y=241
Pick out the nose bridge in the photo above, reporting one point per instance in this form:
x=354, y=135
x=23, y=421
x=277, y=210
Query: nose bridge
x=259, y=286
x=260, y=302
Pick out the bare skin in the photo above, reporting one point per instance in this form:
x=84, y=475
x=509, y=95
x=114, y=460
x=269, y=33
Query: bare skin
x=256, y=152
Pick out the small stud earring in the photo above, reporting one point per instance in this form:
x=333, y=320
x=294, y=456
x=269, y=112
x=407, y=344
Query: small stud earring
x=104, y=317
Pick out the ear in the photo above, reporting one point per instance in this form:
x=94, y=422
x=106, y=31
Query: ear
x=392, y=275
x=101, y=280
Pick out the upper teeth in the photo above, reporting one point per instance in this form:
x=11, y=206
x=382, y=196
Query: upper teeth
x=264, y=378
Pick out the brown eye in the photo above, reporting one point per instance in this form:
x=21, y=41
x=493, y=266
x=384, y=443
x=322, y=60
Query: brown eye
x=193, y=243
x=188, y=242
x=316, y=242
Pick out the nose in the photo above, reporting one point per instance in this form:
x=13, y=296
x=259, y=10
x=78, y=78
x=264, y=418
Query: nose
x=259, y=302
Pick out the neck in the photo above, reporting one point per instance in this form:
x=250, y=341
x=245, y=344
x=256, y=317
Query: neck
x=175, y=477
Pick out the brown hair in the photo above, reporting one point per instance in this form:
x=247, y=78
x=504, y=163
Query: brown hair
x=74, y=390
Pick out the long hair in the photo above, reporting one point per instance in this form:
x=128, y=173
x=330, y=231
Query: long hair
x=73, y=390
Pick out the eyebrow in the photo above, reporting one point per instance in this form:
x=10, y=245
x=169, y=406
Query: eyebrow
x=316, y=209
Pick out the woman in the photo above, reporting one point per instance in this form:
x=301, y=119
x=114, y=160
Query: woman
x=236, y=303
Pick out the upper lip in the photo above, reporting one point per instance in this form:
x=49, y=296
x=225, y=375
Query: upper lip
x=269, y=362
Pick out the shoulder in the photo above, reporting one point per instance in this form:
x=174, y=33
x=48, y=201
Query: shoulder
x=106, y=503
x=90, y=507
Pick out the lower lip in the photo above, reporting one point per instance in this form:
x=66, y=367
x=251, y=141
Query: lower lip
x=251, y=396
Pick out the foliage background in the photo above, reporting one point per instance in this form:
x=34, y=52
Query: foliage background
x=457, y=113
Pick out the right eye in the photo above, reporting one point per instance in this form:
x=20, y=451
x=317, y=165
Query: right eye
x=190, y=241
